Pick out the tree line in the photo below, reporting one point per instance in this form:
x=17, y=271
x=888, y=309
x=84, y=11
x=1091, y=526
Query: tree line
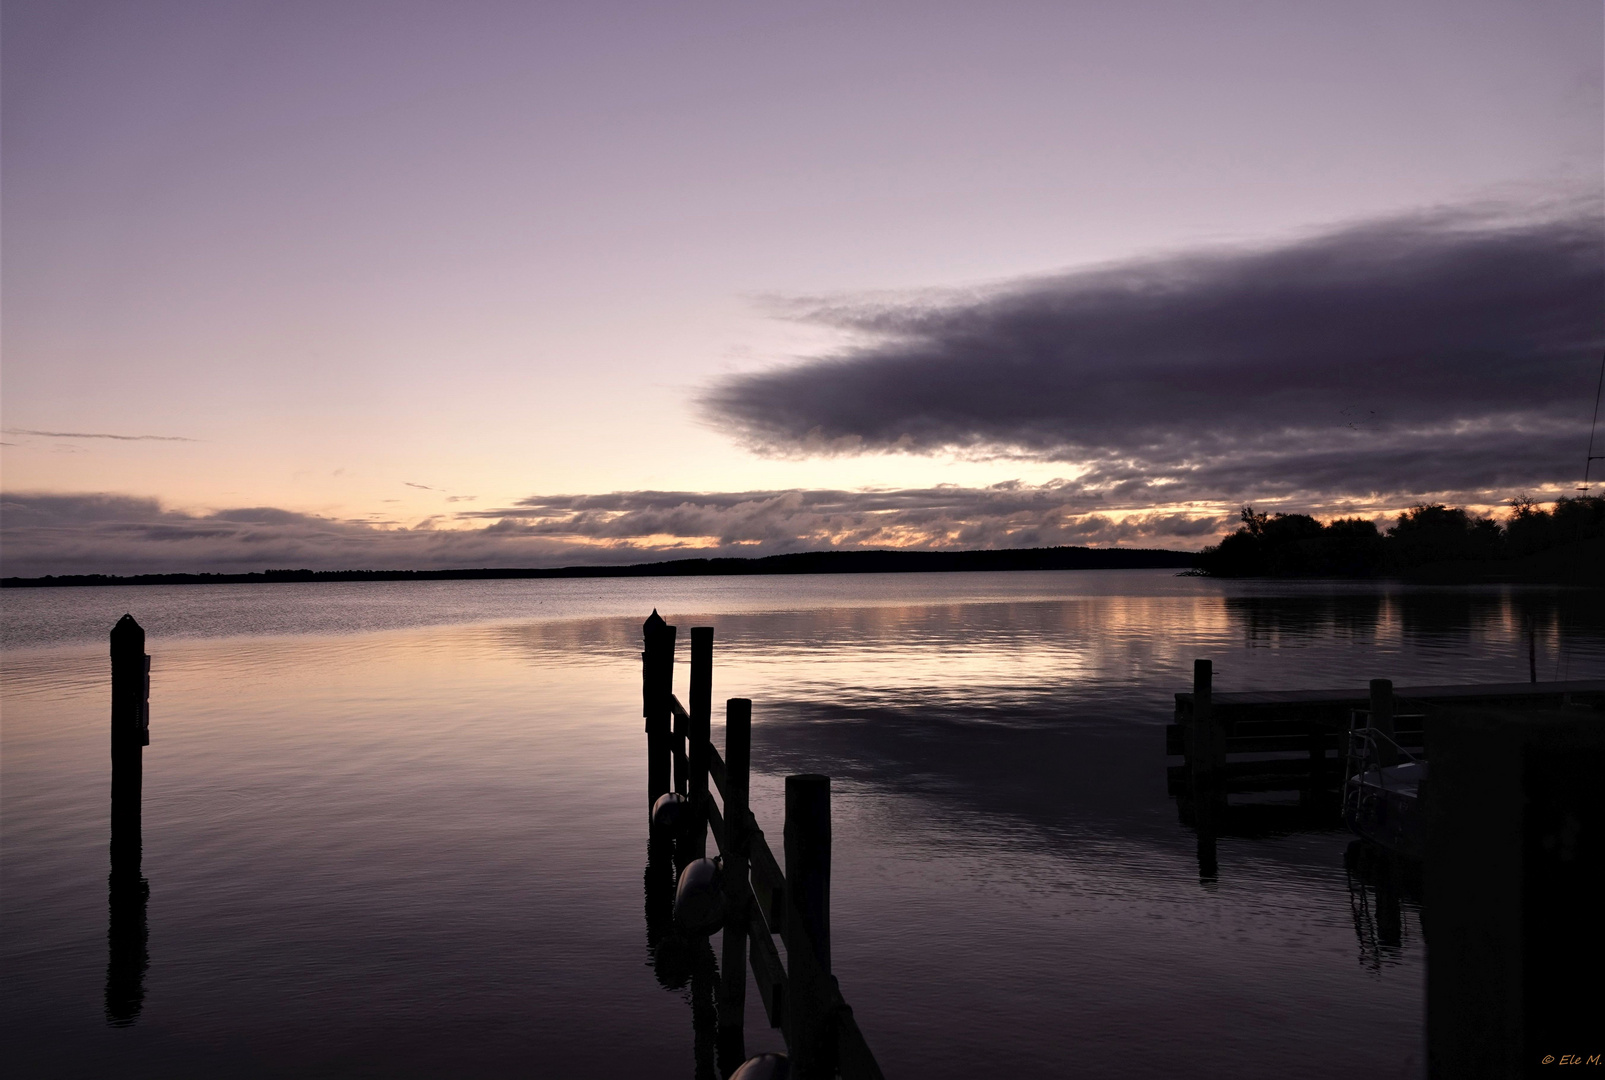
x=1298, y=545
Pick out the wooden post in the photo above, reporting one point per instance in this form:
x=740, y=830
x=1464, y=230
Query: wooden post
x=657, y=683
x=130, y=722
x=737, y=760
x=1382, y=721
x=1532, y=654
x=1316, y=744
x=810, y=1033
x=699, y=733
x=1206, y=750
x=127, y=934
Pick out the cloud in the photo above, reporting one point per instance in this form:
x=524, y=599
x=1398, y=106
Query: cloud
x=420, y=487
x=1437, y=356
x=98, y=435
x=49, y=533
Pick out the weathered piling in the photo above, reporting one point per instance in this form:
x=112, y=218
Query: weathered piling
x=130, y=733
x=1385, y=748
x=809, y=1030
x=128, y=893
x=699, y=734
x=657, y=691
x=130, y=697
x=1205, y=752
x=737, y=761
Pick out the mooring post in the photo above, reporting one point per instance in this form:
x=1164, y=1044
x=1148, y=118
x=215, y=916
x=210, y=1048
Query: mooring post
x=809, y=1029
x=700, y=734
x=657, y=684
x=1207, y=749
x=127, y=893
x=1382, y=722
x=737, y=760
x=130, y=716
x=1316, y=744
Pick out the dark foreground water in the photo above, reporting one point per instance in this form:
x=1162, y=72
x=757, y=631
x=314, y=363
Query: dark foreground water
x=397, y=829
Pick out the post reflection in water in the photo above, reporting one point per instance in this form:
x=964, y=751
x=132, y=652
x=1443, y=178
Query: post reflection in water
x=1383, y=889
x=680, y=960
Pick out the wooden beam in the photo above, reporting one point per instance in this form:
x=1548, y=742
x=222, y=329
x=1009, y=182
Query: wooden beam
x=767, y=970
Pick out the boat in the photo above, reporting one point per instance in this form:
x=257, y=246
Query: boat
x=1382, y=802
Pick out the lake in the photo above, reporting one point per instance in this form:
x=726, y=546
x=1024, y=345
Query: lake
x=398, y=829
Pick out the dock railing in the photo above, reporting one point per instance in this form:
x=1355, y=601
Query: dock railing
x=762, y=901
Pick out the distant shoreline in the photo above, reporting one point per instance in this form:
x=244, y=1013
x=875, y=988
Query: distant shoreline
x=807, y=562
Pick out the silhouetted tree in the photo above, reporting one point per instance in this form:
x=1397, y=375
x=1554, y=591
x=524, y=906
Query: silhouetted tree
x=1294, y=545
x=1438, y=533
x=1353, y=548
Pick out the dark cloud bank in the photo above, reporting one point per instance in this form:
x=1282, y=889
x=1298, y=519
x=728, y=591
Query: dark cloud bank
x=1444, y=357
x=69, y=534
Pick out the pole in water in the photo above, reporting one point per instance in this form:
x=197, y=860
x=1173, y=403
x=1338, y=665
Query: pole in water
x=810, y=1031
x=698, y=734
x=1387, y=751
x=657, y=684
x=128, y=893
x=733, y=999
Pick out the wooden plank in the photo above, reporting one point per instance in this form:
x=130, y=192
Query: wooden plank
x=1360, y=696
x=1176, y=741
x=1243, y=777
x=853, y=1058
x=678, y=709
x=716, y=825
x=716, y=770
x=767, y=970
x=768, y=883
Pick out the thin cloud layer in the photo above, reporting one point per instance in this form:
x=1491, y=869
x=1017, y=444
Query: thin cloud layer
x=73, y=534
x=1432, y=357
x=98, y=435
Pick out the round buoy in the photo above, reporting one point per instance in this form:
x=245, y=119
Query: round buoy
x=764, y=1067
x=699, y=899
x=668, y=813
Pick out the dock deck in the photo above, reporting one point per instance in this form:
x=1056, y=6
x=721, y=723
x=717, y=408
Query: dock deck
x=1293, y=740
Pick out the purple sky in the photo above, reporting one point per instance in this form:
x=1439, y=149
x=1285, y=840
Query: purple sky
x=760, y=277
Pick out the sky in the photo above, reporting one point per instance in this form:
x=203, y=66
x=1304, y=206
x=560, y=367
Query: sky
x=388, y=285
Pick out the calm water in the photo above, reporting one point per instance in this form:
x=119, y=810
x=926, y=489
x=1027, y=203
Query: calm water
x=397, y=829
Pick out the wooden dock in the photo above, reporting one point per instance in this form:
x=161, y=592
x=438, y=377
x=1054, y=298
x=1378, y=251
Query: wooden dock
x=760, y=900
x=1295, y=740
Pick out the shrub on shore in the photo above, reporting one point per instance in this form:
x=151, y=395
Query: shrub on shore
x=1297, y=545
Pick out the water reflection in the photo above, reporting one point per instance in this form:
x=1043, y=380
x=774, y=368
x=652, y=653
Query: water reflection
x=1546, y=618
x=1271, y=621
x=454, y=814
x=1384, y=890
x=682, y=963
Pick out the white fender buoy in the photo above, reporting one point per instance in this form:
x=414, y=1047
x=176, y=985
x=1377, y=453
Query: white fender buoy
x=699, y=897
x=668, y=813
x=764, y=1067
